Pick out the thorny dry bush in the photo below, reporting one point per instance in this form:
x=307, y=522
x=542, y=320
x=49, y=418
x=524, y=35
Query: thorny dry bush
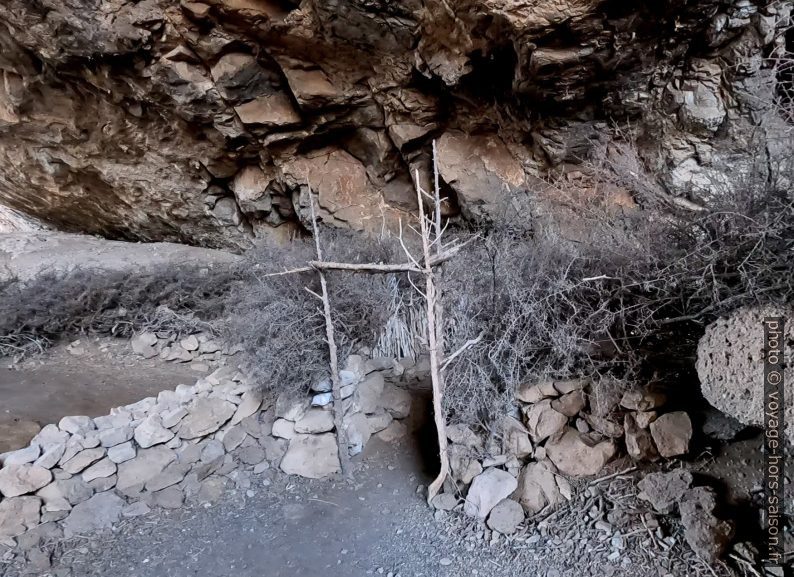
x=274, y=318
x=596, y=286
x=590, y=290
x=34, y=314
x=280, y=324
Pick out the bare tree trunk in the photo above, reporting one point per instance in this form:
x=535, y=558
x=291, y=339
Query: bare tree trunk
x=434, y=328
x=336, y=387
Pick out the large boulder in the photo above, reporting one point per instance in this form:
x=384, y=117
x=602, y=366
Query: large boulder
x=730, y=365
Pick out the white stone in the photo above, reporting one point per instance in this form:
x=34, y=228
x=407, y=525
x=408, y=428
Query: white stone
x=22, y=456
x=323, y=386
x=312, y=456
x=357, y=432
x=140, y=409
x=82, y=460
x=51, y=456
x=315, y=421
x=205, y=416
x=89, y=440
x=172, y=417
x=73, y=490
x=18, y=480
x=233, y=438
x=136, y=509
x=537, y=488
x=463, y=435
x=542, y=421
x=505, y=517
x=144, y=344
x=209, y=346
x=18, y=515
x=579, y=455
x=284, y=429
x=249, y=404
x=146, y=465
x=99, y=470
x=171, y=475
x=190, y=343
x=291, y=407
x=488, y=489
x=515, y=439
x=121, y=453
x=115, y=436
x=369, y=393
x=535, y=392
x=75, y=425
x=50, y=436
x=151, y=432
x=115, y=421
x=322, y=399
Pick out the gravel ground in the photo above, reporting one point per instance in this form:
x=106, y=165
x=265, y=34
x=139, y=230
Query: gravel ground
x=377, y=525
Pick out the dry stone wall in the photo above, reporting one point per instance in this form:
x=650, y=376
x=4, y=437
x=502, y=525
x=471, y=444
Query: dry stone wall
x=562, y=430
x=187, y=445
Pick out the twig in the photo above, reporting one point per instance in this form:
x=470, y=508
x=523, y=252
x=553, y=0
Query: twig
x=466, y=345
x=612, y=476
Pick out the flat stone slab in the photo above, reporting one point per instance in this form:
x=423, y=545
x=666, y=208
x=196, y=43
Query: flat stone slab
x=205, y=416
x=98, y=512
x=18, y=480
x=312, y=456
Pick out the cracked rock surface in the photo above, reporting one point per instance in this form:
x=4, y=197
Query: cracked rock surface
x=202, y=122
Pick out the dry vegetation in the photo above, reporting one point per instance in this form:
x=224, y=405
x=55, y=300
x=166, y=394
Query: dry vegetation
x=584, y=292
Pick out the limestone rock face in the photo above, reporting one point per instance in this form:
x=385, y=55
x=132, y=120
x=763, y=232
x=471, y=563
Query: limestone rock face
x=205, y=122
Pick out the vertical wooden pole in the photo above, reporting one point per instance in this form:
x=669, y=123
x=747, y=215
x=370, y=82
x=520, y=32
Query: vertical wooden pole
x=434, y=328
x=336, y=387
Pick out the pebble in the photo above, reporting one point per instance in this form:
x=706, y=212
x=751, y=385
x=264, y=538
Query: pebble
x=445, y=562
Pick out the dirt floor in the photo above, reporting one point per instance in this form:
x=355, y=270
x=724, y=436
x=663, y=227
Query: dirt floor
x=376, y=524
x=86, y=378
